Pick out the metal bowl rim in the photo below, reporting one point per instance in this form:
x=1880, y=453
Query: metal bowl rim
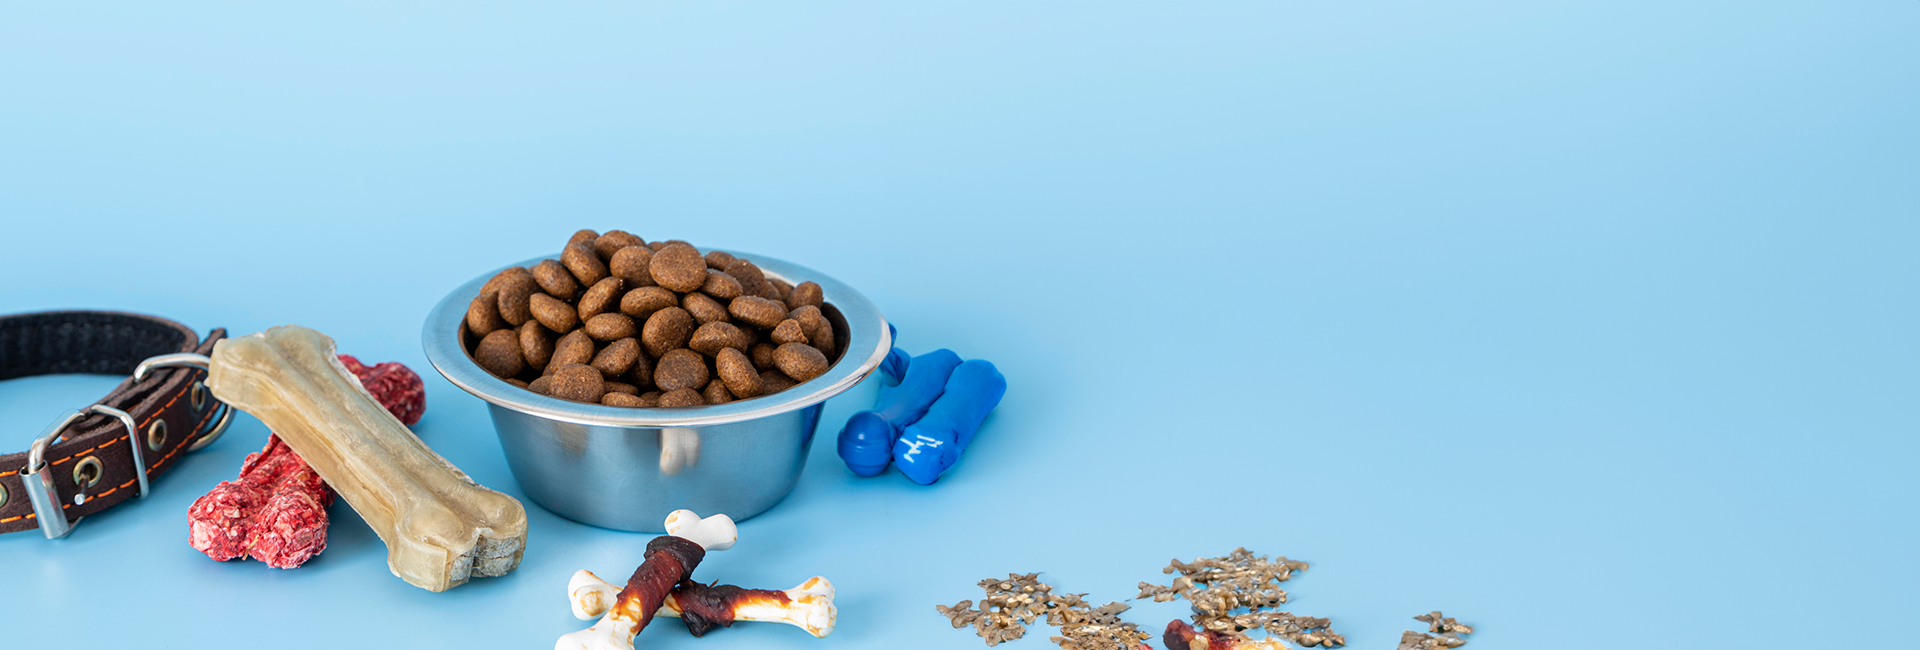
x=866, y=331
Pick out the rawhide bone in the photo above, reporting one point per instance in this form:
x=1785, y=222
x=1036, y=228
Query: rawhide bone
x=670, y=560
x=704, y=607
x=440, y=527
x=276, y=511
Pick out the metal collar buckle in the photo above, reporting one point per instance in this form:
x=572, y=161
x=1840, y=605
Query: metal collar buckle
x=47, y=509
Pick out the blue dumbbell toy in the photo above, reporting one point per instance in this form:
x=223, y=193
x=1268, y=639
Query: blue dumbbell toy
x=929, y=446
x=867, y=441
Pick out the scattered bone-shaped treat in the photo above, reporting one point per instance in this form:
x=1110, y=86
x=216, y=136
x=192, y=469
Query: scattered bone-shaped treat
x=702, y=607
x=440, y=527
x=276, y=511
x=866, y=443
x=670, y=560
x=929, y=446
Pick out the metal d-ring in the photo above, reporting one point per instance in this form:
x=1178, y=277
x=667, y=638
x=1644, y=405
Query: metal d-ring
x=200, y=361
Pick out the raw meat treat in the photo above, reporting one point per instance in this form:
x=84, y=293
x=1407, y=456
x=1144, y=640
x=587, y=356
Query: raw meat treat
x=440, y=527
x=395, y=386
x=276, y=512
x=928, y=447
x=704, y=607
x=608, y=292
x=670, y=560
x=866, y=444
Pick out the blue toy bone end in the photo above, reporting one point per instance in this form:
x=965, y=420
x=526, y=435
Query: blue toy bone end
x=924, y=455
x=866, y=444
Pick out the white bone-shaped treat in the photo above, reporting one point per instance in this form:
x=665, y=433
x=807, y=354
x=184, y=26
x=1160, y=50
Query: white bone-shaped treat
x=615, y=630
x=440, y=527
x=808, y=607
x=716, y=533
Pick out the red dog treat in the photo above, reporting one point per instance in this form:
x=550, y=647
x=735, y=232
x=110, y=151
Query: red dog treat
x=395, y=386
x=276, y=512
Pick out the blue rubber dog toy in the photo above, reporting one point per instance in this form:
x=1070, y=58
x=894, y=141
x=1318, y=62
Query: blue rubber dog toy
x=929, y=446
x=867, y=441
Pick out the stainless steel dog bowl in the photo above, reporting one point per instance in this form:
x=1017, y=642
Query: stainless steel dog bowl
x=626, y=468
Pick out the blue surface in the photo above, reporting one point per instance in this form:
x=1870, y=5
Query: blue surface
x=1532, y=314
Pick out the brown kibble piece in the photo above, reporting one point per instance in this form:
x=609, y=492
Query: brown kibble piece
x=788, y=331
x=713, y=337
x=656, y=246
x=762, y=356
x=617, y=358
x=716, y=393
x=642, y=373
x=761, y=312
x=650, y=398
x=483, y=315
x=574, y=348
x=516, y=382
x=602, y=297
x=781, y=289
x=680, y=368
x=578, y=383
x=775, y=381
x=583, y=236
x=583, y=264
x=720, y=285
x=682, y=398
x=542, y=385
x=622, y=399
x=718, y=260
x=752, y=281
x=610, y=327
x=737, y=372
x=515, y=291
x=819, y=330
x=536, y=344
x=556, y=315
x=606, y=245
x=499, y=353
x=667, y=329
x=630, y=264
x=642, y=302
x=678, y=267
x=555, y=279
x=806, y=294
x=493, y=283
x=800, y=361
x=705, y=310
x=623, y=387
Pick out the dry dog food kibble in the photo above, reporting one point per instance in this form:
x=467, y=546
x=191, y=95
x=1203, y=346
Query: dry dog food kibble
x=620, y=321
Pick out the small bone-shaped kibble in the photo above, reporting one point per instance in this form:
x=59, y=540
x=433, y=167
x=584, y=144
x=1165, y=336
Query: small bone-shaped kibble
x=808, y=606
x=670, y=559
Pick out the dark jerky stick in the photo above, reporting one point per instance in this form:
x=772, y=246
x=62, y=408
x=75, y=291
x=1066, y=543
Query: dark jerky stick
x=704, y=607
x=670, y=560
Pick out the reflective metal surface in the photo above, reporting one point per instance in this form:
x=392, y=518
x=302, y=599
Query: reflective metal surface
x=628, y=468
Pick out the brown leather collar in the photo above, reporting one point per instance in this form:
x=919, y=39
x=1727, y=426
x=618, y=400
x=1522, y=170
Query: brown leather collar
x=91, y=463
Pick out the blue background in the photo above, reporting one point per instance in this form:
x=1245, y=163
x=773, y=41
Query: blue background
x=1587, y=323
